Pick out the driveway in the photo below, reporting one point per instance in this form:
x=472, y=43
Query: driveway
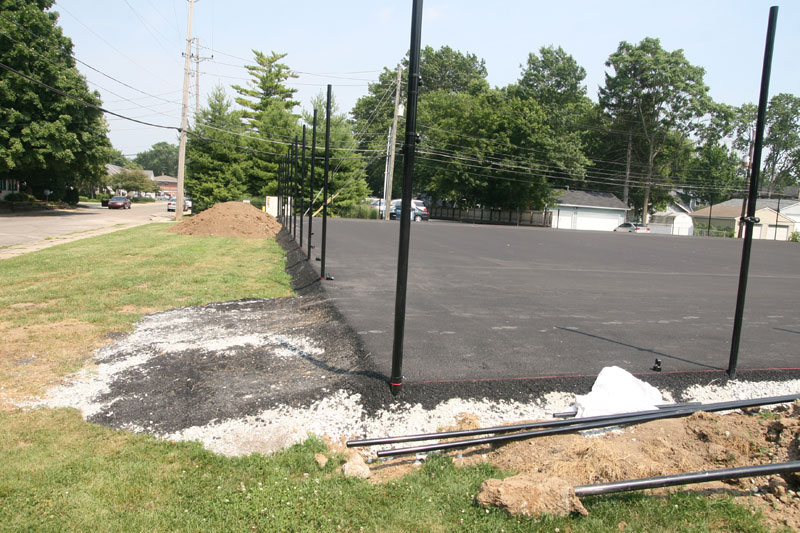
x=34, y=230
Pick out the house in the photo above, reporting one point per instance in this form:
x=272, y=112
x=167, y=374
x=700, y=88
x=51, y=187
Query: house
x=676, y=219
x=773, y=214
x=167, y=184
x=8, y=186
x=588, y=210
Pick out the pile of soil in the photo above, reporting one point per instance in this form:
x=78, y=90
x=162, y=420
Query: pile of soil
x=703, y=441
x=230, y=219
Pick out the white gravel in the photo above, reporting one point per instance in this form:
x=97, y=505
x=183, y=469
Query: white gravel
x=340, y=415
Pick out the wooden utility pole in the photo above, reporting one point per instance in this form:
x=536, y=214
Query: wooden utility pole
x=184, y=115
x=196, y=77
x=392, y=142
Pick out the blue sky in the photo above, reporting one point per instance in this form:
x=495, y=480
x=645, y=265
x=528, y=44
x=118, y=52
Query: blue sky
x=347, y=43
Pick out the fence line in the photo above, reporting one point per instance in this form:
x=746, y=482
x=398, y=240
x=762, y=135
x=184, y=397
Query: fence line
x=505, y=217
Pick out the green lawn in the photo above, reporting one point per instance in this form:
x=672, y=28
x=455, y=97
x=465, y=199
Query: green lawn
x=59, y=473
x=59, y=304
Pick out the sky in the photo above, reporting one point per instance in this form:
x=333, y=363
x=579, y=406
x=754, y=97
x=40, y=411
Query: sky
x=348, y=43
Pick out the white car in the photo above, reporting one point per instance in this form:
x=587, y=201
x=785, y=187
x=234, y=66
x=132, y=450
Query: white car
x=187, y=204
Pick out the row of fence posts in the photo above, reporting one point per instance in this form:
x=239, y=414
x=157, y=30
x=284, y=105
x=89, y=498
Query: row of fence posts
x=292, y=192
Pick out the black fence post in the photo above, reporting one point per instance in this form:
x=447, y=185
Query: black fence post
x=302, y=185
x=325, y=181
x=295, y=175
x=751, y=219
x=396, y=378
x=311, y=181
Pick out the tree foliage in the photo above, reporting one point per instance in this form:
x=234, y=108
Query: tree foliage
x=132, y=180
x=47, y=141
x=161, y=158
x=219, y=165
x=346, y=178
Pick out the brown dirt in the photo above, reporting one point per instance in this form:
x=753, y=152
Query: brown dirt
x=229, y=219
x=704, y=441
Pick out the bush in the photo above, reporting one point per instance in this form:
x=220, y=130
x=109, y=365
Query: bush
x=71, y=196
x=19, y=197
x=142, y=199
x=360, y=211
x=795, y=236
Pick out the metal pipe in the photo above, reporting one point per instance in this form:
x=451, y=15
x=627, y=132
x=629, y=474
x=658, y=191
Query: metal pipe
x=557, y=427
x=749, y=220
x=570, y=414
x=686, y=479
x=302, y=185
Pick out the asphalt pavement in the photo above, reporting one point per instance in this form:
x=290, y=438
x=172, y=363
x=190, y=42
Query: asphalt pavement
x=500, y=302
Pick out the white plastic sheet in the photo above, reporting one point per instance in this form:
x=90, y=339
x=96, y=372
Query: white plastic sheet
x=617, y=391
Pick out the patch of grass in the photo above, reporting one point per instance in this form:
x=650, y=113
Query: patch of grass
x=85, y=477
x=59, y=304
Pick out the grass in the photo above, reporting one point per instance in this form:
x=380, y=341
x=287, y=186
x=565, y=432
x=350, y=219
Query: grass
x=59, y=304
x=90, y=478
x=59, y=473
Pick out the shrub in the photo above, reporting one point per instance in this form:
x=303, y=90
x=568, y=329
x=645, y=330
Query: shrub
x=795, y=237
x=142, y=199
x=71, y=196
x=19, y=197
x=359, y=211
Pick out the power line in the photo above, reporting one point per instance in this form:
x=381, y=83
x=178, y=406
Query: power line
x=82, y=102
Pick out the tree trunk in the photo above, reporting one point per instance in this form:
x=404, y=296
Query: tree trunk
x=626, y=188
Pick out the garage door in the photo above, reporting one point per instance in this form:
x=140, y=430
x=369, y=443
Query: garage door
x=597, y=221
x=563, y=219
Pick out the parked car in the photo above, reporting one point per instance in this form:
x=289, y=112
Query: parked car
x=380, y=205
x=392, y=206
x=630, y=227
x=418, y=210
x=119, y=202
x=187, y=204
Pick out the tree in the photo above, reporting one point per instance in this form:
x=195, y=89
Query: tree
x=653, y=93
x=132, y=180
x=115, y=157
x=47, y=140
x=219, y=161
x=346, y=179
x=714, y=172
x=782, y=141
x=271, y=124
x=445, y=69
x=161, y=158
x=553, y=78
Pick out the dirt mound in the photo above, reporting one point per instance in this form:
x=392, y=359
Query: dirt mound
x=230, y=219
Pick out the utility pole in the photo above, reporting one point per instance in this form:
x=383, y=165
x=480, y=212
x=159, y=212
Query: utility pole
x=392, y=142
x=184, y=115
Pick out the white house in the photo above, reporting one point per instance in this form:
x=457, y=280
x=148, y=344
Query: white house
x=588, y=210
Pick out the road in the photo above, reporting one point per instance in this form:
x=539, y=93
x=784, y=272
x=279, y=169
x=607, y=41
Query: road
x=34, y=230
x=491, y=302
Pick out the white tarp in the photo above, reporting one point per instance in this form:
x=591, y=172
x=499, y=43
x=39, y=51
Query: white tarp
x=617, y=391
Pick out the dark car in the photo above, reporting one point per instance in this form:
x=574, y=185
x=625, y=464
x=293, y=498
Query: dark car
x=119, y=202
x=418, y=210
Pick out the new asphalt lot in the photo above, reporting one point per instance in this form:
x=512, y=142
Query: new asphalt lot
x=498, y=303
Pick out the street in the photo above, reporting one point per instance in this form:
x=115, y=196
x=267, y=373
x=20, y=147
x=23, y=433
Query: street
x=34, y=230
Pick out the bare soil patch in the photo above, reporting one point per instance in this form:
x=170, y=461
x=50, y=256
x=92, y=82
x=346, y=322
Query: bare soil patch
x=230, y=219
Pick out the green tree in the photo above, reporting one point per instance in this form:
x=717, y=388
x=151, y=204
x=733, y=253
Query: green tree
x=714, y=174
x=488, y=149
x=347, y=176
x=131, y=180
x=161, y=158
x=116, y=157
x=782, y=142
x=653, y=93
x=219, y=161
x=47, y=140
x=271, y=124
x=445, y=69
